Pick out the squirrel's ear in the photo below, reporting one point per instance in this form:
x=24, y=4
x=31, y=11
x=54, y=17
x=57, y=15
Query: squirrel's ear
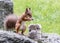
x=29, y=8
x=26, y=9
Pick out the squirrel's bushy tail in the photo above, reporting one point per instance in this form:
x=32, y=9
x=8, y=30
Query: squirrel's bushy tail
x=9, y=21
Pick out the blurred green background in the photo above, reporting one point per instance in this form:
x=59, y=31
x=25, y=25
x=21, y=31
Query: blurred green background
x=45, y=12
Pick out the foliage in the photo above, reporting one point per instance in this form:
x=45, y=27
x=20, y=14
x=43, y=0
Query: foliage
x=45, y=12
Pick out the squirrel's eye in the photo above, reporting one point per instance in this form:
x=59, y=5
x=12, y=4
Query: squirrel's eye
x=29, y=30
x=29, y=15
x=38, y=28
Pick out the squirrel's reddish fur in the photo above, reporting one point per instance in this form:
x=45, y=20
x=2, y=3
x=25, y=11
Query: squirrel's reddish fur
x=12, y=21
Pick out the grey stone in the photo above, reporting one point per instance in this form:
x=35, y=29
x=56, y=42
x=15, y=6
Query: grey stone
x=6, y=8
x=46, y=38
x=11, y=37
x=1, y=4
x=41, y=37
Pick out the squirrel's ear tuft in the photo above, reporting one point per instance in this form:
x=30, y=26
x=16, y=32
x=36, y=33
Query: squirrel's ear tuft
x=26, y=9
x=29, y=8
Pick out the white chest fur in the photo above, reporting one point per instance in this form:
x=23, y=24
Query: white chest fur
x=22, y=25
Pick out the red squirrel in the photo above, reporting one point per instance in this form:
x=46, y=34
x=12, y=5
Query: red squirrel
x=18, y=23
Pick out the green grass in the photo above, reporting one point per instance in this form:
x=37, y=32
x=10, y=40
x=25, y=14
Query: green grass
x=45, y=12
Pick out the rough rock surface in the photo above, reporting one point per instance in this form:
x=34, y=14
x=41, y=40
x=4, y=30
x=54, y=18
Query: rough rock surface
x=50, y=38
x=10, y=37
x=6, y=8
x=47, y=38
x=35, y=33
